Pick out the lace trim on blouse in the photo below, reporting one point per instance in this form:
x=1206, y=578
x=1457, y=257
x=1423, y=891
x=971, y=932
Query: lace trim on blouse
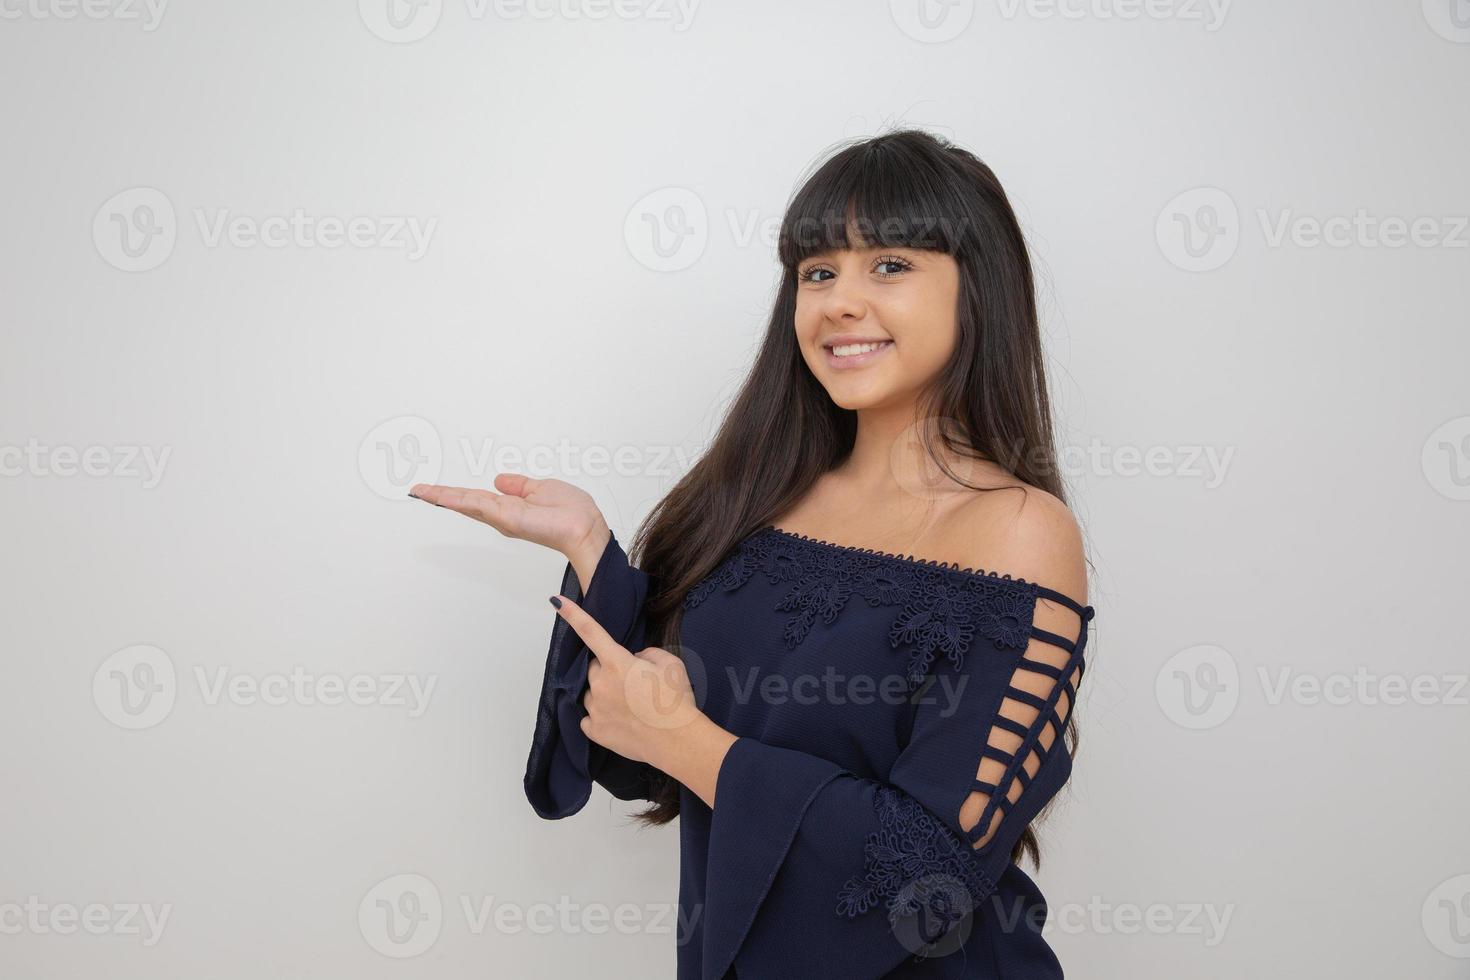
x=919, y=866
x=938, y=607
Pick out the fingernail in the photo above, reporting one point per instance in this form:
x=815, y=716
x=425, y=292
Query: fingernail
x=555, y=602
x=415, y=496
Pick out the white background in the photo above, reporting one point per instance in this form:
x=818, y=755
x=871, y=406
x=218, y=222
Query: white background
x=1326, y=381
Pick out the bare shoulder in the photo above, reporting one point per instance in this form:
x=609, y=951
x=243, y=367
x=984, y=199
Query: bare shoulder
x=1027, y=533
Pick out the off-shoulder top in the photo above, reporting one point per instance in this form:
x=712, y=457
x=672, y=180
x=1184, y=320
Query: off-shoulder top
x=873, y=696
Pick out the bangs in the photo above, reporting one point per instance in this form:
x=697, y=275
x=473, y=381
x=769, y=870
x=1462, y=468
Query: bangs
x=873, y=196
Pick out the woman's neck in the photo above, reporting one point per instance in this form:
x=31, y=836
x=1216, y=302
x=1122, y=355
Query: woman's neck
x=889, y=458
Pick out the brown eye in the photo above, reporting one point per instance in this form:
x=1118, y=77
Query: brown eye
x=898, y=265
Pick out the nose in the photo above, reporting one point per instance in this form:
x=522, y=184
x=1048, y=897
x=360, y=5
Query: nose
x=846, y=300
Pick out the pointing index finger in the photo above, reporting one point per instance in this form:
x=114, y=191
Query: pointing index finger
x=598, y=640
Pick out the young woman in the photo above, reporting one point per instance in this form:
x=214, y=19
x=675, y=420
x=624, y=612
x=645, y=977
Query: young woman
x=857, y=738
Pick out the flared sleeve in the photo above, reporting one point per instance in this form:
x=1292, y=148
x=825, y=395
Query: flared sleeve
x=815, y=871
x=563, y=762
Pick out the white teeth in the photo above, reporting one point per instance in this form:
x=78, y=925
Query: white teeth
x=847, y=350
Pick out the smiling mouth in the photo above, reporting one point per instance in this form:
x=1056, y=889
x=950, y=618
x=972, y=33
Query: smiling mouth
x=852, y=356
x=856, y=349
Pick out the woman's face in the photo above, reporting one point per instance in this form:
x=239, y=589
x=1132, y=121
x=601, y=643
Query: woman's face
x=902, y=298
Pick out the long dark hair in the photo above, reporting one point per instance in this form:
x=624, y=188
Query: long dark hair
x=905, y=188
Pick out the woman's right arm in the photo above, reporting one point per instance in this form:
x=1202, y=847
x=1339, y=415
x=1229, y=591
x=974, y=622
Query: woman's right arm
x=563, y=762
x=585, y=556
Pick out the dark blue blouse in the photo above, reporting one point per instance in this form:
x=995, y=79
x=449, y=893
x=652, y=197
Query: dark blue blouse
x=868, y=691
